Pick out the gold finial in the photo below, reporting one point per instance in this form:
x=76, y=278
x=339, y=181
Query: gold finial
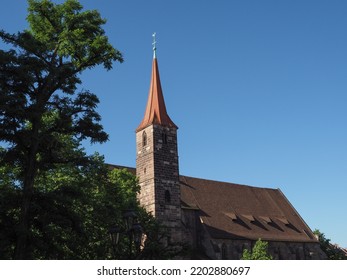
x=154, y=45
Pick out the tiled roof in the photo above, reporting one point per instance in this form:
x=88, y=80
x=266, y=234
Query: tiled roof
x=155, y=110
x=243, y=212
x=233, y=211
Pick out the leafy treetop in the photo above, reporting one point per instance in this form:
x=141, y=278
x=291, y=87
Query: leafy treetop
x=259, y=252
x=333, y=252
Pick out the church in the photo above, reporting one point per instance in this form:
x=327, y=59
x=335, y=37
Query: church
x=217, y=219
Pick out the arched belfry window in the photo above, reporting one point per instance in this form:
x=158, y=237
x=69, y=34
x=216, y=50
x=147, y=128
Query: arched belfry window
x=144, y=139
x=167, y=197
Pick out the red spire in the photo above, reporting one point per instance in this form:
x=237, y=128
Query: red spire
x=156, y=110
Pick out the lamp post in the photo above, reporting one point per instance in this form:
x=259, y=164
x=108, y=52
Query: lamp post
x=114, y=233
x=132, y=229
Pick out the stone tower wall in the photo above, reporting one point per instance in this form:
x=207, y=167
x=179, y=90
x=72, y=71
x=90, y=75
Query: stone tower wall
x=157, y=170
x=145, y=169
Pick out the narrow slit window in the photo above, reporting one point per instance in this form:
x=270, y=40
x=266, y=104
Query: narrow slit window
x=167, y=197
x=144, y=139
x=164, y=138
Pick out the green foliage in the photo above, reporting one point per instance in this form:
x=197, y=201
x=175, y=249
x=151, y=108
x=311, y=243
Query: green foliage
x=69, y=33
x=71, y=210
x=9, y=196
x=39, y=106
x=259, y=252
x=332, y=252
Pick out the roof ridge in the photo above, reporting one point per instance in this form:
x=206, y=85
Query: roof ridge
x=225, y=182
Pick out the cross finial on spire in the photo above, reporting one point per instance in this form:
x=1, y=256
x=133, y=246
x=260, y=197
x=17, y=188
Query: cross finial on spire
x=154, y=45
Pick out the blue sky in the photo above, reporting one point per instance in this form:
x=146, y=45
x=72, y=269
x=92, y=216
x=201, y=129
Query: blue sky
x=257, y=88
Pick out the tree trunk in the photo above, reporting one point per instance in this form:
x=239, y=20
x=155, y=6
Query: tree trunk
x=23, y=227
x=21, y=252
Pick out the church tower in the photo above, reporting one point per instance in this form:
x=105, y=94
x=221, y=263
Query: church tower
x=157, y=159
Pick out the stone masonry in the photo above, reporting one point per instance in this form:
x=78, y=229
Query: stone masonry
x=157, y=170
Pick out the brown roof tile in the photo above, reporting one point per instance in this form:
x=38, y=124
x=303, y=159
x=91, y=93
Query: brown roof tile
x=155, y=110
x=242, y=212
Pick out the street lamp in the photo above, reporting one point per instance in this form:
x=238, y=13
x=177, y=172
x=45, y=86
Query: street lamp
x=137, y=235
x=133, y=230
x=129, y=217
x=114, y=233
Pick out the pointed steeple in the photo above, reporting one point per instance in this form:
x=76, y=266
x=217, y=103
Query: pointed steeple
x=156, y=110
x=157, y=165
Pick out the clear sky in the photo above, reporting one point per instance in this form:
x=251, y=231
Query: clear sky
x=257, y=88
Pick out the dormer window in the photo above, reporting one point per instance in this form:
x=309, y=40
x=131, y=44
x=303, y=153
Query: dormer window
x=144, y=139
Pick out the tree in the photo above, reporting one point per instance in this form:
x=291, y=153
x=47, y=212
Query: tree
x=333, y=252
x=259, y=252
x=72, y=209
x=39, y=105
